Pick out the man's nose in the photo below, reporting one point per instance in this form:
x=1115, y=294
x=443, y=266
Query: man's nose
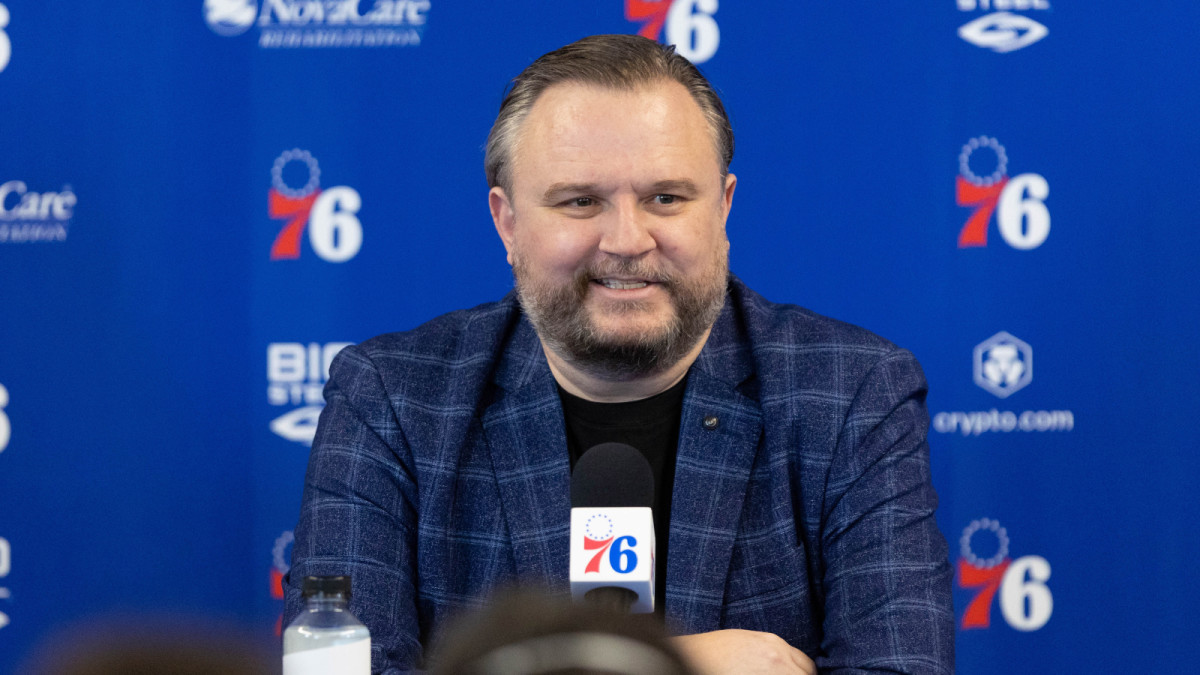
x=627, y=232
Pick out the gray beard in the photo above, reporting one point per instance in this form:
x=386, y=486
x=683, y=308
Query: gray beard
x=564, y=325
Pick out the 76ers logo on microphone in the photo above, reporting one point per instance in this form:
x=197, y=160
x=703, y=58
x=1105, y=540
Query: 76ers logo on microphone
x=1019, y=202
x=1025, y=601
x=296, y=197
x=598, y=536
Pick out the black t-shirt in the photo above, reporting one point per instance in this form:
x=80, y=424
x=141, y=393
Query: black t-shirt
x=652, y=426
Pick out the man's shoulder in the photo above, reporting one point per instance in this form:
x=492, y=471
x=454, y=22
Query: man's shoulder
x=455, y=335
x=774, y=326
x=794, y=352
x=447, y=358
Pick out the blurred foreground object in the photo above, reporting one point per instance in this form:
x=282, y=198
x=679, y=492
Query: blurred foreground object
x=529, y=633
x=150, y=647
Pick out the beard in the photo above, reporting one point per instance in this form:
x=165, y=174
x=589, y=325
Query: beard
x=564, y=323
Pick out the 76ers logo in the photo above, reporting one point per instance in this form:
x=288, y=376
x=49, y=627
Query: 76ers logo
x=690, y=25
x=1019, y=202
x=334, y=231
x=1025, y=601
x=599, y=535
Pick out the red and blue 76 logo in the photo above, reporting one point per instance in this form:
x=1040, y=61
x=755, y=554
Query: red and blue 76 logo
x=599, y=538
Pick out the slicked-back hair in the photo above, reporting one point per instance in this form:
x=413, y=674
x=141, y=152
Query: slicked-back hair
x=621, y=62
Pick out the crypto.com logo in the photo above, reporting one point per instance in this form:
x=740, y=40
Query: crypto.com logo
x=230, y=17
x=1003, y=364
x=334, y=231
x=689, y=24
x=1019, y=203
x=5, y=43
x=1002, y=31
x=1025, y=601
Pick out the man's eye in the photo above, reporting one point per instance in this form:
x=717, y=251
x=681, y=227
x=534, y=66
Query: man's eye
x=582, y=202
x=664, y=199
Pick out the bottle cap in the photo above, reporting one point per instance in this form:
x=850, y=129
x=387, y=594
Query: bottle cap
x=325, y=586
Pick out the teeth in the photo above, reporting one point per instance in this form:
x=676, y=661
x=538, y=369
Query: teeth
x=622, y=285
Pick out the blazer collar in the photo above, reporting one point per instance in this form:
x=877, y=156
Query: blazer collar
x=712, y=471
x=527, y=441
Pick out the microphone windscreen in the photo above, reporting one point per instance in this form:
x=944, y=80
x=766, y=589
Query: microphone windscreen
x=612, y=474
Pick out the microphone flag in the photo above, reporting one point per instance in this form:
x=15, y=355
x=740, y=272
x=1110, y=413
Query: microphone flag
x=613, y=547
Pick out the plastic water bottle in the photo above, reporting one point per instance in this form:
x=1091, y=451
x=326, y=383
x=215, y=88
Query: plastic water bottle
x=326, y=639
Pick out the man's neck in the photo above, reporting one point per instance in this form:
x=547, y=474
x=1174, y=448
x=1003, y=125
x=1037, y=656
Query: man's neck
x=602, y=390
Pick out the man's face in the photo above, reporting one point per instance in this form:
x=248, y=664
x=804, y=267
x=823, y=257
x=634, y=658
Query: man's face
x=615, y=225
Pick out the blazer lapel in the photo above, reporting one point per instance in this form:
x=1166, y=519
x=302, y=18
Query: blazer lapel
x=712, y=471
x=528, y=445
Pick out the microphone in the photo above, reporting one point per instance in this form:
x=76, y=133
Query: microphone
x=612, y=529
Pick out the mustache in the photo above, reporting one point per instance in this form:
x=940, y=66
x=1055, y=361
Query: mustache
x=629, y=269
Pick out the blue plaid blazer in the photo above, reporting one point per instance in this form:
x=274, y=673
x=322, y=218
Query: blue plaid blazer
x=439, y=472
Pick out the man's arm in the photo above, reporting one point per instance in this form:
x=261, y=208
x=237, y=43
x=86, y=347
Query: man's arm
x=748, y=652
x=887, y=574
x=358, y=514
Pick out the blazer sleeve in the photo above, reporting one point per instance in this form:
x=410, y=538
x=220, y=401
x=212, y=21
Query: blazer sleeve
x=359, y=511
x=887, y=575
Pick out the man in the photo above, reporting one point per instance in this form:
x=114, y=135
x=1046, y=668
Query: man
x=789, y=449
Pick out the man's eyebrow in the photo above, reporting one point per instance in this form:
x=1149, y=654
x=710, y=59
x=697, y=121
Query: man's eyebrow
x=557, y=191
x=681, y=186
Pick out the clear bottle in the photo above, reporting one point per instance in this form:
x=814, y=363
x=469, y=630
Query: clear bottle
x=325, y=638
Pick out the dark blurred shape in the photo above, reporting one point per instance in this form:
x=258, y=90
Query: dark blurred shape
x=151, y=647
x=612, y=474
x=611, y=599
x=529, y=633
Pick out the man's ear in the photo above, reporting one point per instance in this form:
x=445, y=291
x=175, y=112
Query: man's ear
x=503, y=217
x=727, y=198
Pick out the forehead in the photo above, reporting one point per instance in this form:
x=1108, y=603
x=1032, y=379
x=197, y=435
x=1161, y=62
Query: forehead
x=584, y=132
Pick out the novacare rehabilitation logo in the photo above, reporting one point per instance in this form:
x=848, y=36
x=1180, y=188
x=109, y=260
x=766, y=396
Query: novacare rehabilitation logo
x=321, y=23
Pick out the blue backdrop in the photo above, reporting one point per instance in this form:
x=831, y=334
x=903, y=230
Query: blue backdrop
x=200, y=202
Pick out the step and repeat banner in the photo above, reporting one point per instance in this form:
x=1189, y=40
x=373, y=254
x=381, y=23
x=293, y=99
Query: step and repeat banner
x=202, y=201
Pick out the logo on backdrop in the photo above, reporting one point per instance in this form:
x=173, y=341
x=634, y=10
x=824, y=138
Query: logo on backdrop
x=687, y=24
x=230, y=17
x=329, y=216
x=1002, y=31
x=598, y=536
x=296, y=376
x=5, y=425
x=1025, y=601
x=281, y=553
x=1003, y=365
x=1019, y=202
x=5, y=43
x=321, y=23
x=28, y=217
x=5, y=568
